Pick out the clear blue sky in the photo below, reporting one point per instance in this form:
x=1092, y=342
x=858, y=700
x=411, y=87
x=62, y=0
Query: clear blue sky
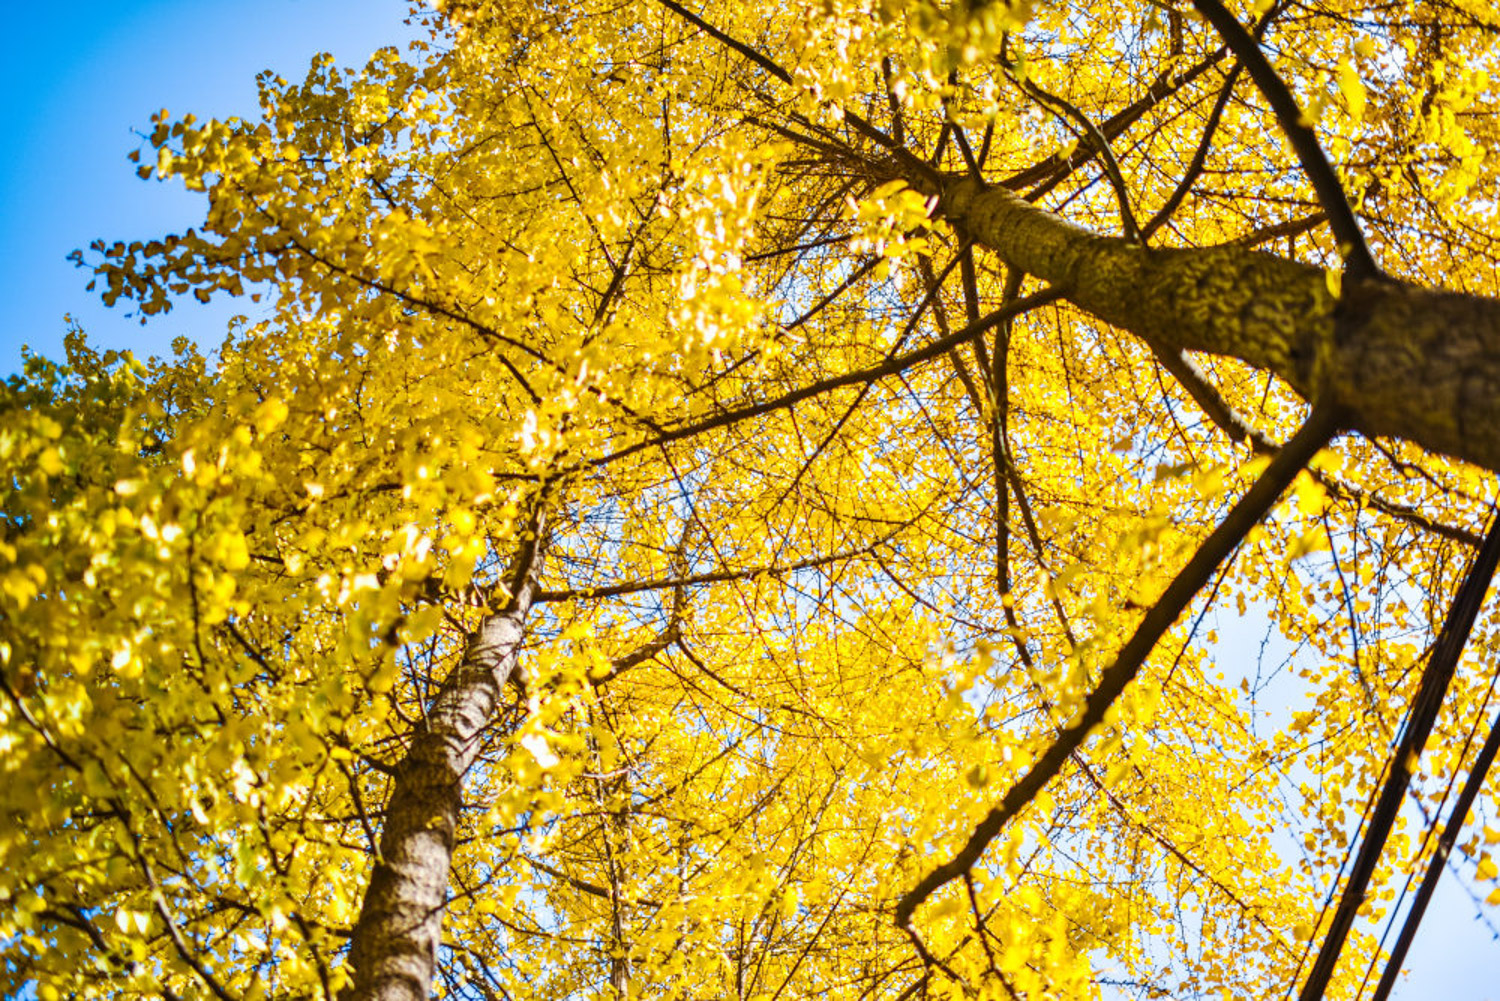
x=79, y=78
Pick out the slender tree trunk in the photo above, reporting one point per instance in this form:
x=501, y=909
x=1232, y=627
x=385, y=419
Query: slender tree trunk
x=1392, y=358
x=393, y=954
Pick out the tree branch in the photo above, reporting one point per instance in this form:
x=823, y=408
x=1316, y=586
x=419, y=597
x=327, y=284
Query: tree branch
x=1358, y=261
x=1394, y=358
x=1112, y=127
x=889, y=367
x=903, y=155
x=1224, y=539
x=1456, y=820
x=1424, y=711
x=711, y=577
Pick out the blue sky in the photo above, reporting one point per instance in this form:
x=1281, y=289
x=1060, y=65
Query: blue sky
x=80, y=79
x=1454, y=956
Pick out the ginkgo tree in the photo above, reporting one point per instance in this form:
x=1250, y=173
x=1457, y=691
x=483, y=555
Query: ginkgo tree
x=738, y=500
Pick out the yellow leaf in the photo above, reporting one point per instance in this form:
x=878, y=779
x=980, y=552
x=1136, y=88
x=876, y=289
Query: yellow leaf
x=230, y=550
x=50, y=462
x=269, y=415
x=945, y=908
x=1353, y=89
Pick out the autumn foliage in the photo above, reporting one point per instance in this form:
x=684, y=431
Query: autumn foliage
x=774, y=501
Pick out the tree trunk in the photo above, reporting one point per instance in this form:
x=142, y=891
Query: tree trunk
x=394, y=949
x=1395, y=359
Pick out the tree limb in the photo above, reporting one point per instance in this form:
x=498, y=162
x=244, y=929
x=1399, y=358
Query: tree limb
x=1224, y=539
x=1394, y=358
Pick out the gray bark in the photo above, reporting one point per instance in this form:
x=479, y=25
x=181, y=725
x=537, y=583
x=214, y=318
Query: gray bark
x=1395, y=359
x=393, y=953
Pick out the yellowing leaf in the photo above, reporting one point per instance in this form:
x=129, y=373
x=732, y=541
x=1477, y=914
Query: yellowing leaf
x=1353, y=89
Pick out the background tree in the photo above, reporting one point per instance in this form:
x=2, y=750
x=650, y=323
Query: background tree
x=722, y=508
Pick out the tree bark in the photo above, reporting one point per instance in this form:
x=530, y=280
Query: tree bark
x=1395, y=359
x=393, y=953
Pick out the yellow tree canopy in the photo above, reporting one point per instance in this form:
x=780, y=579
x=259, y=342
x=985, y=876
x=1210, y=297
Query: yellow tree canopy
x=765, y=501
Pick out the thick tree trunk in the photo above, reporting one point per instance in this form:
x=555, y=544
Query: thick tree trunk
x=394, y=949
x=1394, y=358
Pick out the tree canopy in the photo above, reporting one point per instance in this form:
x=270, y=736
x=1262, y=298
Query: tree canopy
x=764, y=501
